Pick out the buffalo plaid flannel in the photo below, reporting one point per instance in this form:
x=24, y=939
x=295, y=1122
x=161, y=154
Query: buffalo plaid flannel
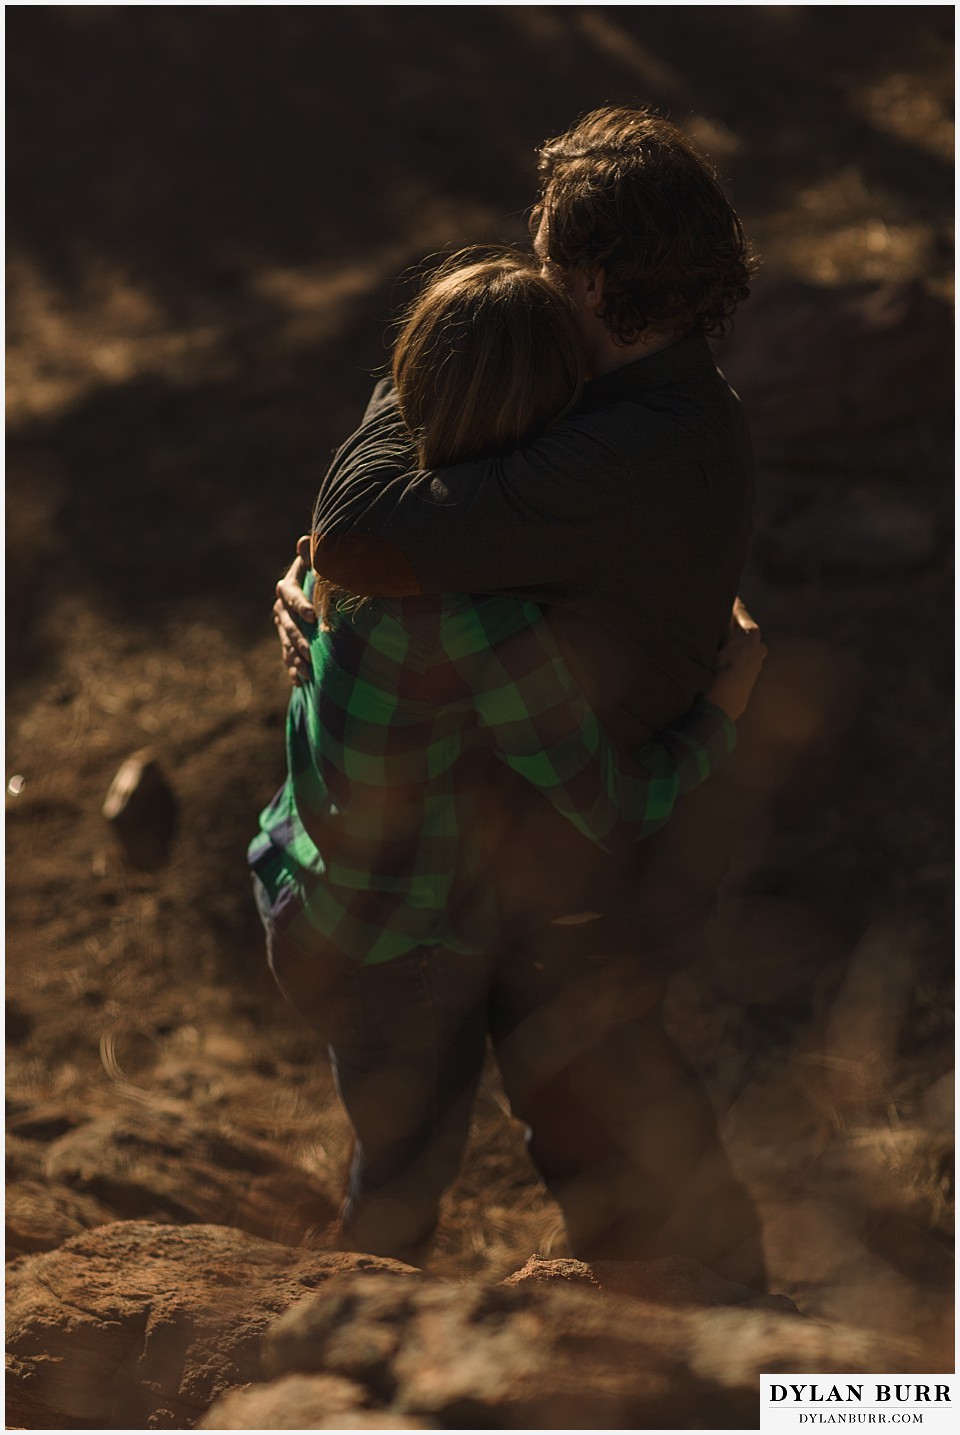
x=361, y=846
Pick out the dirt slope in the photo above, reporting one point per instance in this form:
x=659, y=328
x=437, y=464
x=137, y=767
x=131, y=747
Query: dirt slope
x=208, y=213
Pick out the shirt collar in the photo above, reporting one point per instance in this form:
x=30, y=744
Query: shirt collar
x=682, y=360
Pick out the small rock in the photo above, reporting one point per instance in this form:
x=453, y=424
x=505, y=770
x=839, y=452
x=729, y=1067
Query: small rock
x=142, y=810
x=565, y=1271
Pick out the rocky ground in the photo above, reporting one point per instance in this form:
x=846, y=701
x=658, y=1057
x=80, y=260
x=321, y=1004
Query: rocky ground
x=209, y=210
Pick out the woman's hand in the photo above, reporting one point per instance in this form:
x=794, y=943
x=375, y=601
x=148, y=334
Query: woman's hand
x=741, y=659
x=291, y=603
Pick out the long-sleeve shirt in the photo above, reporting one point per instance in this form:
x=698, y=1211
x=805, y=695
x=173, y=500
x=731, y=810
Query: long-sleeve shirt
x=373, y=844
x=629, y=520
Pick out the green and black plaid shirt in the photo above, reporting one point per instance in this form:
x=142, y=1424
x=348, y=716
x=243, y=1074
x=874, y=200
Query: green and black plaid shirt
x=363, y=844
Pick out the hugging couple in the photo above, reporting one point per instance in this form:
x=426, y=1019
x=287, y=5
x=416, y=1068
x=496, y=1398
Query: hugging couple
x=518, y=656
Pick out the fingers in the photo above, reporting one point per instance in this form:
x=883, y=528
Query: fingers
x=294, y=647
x=292, y=604
x=290, y=594
x=289, y=633
x=741, y=617
x=740, y=663
x=292, y=599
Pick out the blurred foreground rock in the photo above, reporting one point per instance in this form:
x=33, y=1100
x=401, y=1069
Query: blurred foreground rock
x=136, y=1324
x=304, y=1402
x=142, y=1325
x=142, y=810
x=553, y=1355
x=874, y=1269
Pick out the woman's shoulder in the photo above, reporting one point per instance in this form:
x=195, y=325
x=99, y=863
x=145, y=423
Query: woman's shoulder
x=475, y=620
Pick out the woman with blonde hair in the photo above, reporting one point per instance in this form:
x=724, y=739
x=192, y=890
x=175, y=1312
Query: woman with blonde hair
x=369, y=864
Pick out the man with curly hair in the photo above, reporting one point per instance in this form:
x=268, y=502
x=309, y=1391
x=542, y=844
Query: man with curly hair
x=629, y=520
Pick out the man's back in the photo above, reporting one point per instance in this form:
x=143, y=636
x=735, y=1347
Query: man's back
x=630, y=520
x=664, y=541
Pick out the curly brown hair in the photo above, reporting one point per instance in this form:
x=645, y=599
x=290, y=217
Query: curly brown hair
x=626, y=190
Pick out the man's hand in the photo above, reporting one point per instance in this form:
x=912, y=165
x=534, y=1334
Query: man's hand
x=741, y=659
x=291, y=603
x=740, y=618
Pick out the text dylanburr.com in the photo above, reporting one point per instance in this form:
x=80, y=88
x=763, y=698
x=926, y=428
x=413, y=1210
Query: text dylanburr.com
x=813, y=1402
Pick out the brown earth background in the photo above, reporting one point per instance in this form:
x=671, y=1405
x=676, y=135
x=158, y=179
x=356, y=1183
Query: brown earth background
x=209, y=211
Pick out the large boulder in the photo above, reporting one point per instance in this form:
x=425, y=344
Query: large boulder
x=137, y=1324
x=142, y=1325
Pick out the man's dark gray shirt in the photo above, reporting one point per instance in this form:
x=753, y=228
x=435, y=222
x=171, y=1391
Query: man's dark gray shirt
x=629, y=520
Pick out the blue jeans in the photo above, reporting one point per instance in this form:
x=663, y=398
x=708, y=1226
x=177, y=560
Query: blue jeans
x=621, y=1128
x=406, y=1041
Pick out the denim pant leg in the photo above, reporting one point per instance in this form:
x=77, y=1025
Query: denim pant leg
x=311, y=981
x=407, y=1074
x=407, y=1041
x=622, y=1129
